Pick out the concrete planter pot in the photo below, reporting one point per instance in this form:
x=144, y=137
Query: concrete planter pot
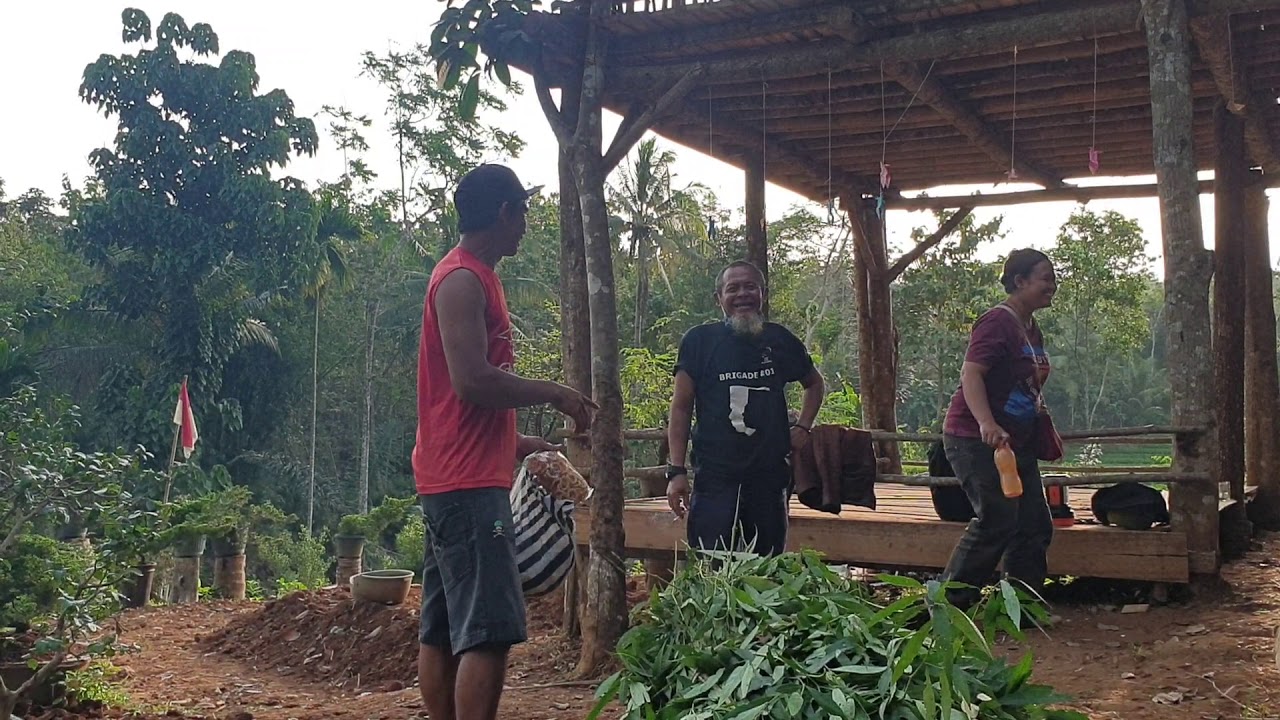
x=387, y=587
x=348, y=546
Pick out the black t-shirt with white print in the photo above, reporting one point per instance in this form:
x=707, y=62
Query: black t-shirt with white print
x=741, y=431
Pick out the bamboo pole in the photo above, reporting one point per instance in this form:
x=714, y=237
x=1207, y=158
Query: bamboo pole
x=1172, y=478
x=1164, y=431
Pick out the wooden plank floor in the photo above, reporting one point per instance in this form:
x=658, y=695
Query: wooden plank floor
x=904, y=532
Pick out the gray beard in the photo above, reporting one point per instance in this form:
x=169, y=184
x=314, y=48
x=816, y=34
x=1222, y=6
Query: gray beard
x=750, y=326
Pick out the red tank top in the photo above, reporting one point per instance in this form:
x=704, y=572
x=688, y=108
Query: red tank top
x=460, y=445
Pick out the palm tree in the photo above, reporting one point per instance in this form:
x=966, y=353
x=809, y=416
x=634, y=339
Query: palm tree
x=662, y=224
x=336, y=227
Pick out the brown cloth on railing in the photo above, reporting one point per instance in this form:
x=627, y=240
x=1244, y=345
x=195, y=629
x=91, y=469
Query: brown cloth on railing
x=837, y=467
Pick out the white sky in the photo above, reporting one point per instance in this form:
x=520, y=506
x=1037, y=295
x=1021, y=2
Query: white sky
x=313, y=52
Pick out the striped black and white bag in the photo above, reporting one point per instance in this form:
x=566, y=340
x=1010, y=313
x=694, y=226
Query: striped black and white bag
x=543, y=535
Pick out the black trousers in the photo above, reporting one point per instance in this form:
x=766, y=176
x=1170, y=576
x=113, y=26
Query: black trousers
x=732, y=515
x=1017, y=530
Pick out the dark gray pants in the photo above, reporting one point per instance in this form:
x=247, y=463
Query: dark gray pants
x=1015, y=529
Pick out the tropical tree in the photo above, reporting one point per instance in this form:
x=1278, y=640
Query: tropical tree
x=438, y=139
x=337, y=228
x=661, y=223
x=1097, y=316
x=936, y=302
x=186, y=226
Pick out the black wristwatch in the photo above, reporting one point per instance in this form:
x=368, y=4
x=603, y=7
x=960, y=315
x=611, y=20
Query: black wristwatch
x=675, y=470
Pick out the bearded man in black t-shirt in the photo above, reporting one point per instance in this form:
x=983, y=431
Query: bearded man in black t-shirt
x=733, y=373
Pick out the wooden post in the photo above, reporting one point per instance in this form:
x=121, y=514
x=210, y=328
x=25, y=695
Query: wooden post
x=1231, y=174
x=575, y=335
x=186, y=587
x=658, y=571
x=1193, y=508
x=877, y=336
x=757, y=246
x=606, y=584
x=1262, y=401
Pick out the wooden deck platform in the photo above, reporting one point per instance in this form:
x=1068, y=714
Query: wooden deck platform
x=905, y=532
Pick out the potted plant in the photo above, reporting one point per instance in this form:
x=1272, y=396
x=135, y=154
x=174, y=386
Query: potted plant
x=186, y=531
x=140, y=540
x=355, y=529
x=352, y=531
x=231, y=520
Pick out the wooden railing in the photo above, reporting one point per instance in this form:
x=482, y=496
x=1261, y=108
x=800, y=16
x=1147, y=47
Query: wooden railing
x=1055, y=474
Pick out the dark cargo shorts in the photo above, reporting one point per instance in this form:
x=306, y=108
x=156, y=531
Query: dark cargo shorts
x=471, y=594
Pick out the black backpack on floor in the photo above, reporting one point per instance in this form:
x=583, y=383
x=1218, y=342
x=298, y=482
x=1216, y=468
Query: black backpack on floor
x=949, y=502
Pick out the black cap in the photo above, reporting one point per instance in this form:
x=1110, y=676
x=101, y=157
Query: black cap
x=481, y=193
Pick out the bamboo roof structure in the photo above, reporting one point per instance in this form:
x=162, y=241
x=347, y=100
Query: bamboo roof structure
x=946, y=92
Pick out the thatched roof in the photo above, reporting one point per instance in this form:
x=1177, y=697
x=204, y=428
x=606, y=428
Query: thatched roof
x=820, y=84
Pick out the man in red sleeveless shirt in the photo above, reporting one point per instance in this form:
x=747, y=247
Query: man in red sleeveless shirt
x=467, y=448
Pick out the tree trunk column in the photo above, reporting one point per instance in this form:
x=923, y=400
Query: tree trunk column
x=1262, y=401
x=1193, y=507
x=606, y=572
x=1231, y=173
x=606, y=587
x=877, y=336
x=757, y=237
x=575, y=335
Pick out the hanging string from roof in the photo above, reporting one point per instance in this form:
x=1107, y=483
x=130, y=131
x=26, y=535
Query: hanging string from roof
x=1013, y=131
x=764, y=135
x=831, y=197
x=711, y=152
x=1232, y=105
x=1095, y=154
x=886, y=174
x=886, y=177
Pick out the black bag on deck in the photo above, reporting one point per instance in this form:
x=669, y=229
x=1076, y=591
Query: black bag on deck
x=949, y=502
x=1132, y=506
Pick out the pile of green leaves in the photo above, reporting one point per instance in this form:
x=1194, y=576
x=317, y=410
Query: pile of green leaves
x=788, y=637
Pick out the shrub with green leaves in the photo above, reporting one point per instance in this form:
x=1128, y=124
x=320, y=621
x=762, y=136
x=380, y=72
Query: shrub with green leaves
x=371, y=524
x=786, y=637
x=293, y=562
x=411, y=547
x=32, y=573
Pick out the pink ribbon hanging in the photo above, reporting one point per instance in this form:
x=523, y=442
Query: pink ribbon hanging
x=886, y=177
x=1095, y=161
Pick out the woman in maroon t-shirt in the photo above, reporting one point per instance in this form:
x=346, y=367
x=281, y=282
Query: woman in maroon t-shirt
x=1003, y=370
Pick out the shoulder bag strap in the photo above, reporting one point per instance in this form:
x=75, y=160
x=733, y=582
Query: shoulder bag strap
x=1035, y=376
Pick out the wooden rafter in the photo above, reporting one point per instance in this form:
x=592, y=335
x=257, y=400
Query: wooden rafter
x=634, y=126
x=936, y=95
x=1213, y=40
x=747, y=140
x=1066, y=194
x=972, y=37
x=710, y=35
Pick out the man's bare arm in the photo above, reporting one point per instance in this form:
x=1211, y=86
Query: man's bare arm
x=814, y=393
x=680, y=416
x=460, y=305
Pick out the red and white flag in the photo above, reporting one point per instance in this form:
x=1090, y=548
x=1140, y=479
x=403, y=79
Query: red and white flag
x=186, y=420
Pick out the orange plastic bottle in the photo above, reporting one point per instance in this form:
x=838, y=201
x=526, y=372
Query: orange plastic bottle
x=1007, y=464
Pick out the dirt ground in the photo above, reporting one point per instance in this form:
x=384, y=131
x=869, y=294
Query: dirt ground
x=319, y=655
